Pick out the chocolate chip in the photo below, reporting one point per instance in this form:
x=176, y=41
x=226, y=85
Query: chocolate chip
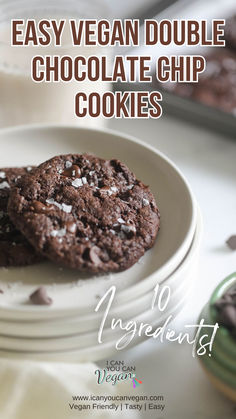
x=91, y=253
x=1, y=291
x=231, y=242
x=40, y=297
x=73, y=171
x=39, y=207
x=94, y=256
x=71, y=227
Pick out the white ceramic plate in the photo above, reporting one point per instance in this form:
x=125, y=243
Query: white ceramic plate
x=72, y=292
x=96, y=352
x=84, y=324
x=179, y=288
x=85, y=340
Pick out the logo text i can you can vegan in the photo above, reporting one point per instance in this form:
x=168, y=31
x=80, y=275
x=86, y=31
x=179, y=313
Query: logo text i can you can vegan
x=116, y=371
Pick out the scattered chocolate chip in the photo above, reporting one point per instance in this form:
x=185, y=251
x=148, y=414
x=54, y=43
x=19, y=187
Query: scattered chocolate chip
x=40, y=297
x=231, y=242
x=1, y=291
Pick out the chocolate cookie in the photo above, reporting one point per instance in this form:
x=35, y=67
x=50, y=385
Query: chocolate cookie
x=217, y=85
x=14, y=248
x=230, y=32
x=86, y=213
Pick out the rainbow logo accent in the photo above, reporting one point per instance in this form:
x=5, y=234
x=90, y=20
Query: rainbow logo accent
x=136, y=382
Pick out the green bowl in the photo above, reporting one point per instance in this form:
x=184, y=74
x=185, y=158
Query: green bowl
x=223, y=336
x=220, y=363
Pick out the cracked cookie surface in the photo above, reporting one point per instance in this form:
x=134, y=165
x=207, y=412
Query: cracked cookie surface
x=86, y=213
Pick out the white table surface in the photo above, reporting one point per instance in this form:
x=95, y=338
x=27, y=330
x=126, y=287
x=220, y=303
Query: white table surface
x=209, y=162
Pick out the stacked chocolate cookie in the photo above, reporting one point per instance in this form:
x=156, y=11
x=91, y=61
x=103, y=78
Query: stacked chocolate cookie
x=230, y=32
x=80, y=211
x=216, y=87
x=15, y=250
